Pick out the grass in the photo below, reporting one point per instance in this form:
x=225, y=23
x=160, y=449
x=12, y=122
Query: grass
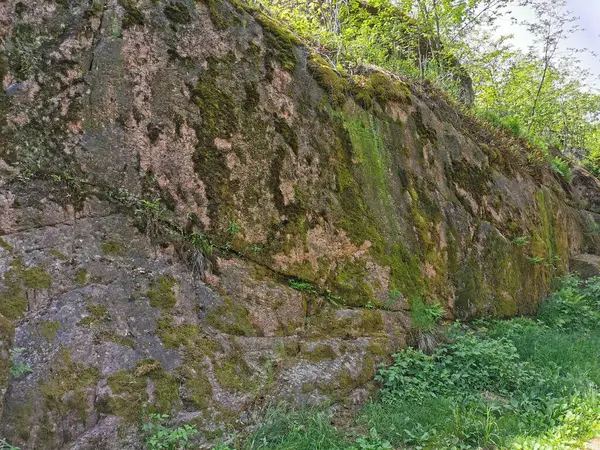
x=525, y=383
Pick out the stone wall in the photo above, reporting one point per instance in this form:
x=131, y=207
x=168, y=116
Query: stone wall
x=199, y=216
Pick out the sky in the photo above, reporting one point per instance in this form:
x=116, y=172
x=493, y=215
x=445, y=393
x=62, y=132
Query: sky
x=588, y=12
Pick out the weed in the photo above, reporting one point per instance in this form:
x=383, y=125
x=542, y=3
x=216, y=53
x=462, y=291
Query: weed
x=233, y=229
x=302, y=286
x=424, y=316
x=535, y=260
x=18, y=368
x=160, y=436
x=521, y=241
x=561, y=167
x=4, y=445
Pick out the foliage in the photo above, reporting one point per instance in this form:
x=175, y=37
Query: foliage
x=425, y=316
x=285, y=428
x=521, y=241
x=18, y=368
x=372, y=442
x=541, y=95
x=160, y=436
x=4, y=445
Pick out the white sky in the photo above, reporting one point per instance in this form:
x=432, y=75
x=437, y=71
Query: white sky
x=588, y=12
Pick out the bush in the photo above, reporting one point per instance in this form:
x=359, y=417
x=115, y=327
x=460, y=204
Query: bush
x=159, y=436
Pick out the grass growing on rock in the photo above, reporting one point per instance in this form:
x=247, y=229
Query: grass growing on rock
x=524, y=383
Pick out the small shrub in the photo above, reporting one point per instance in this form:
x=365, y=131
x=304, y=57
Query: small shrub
x=302, y=286
x=17, y=368
x=4, y=445
x=159, y=436
x=372, y=442
x=521, y=241
x=561, y=167
x=424, y=316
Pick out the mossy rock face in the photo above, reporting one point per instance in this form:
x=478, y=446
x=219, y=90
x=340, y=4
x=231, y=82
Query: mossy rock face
x=161, y=292
x=131, y=14
x=131, y=398
x=17, y=281
x=69, y=386
x=111, y=248
x=232, y=319
x=233, y=373
x=177, y=12
x=7, y=335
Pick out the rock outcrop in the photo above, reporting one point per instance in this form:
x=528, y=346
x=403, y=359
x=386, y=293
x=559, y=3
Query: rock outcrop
x=198, y=215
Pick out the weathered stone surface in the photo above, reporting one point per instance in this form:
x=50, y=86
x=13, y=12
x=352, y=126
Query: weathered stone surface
x=7, y=335
x=196, y=215
x=586, y=266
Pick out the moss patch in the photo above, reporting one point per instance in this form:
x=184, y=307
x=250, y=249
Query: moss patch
x=232, y=319
x=161, y=292
x=81, y=277
x=233, y=373
x=318, y=353
x=70, y=378
x=131, y=14
x=175, y=336
x=280, y=41
x=58, y=254
x=5, y=245
x=130, y=389
x=334, y=84
x=49, y=329
x=98, y=314
x=16, y=280
x=177, y=12
x=111, y=248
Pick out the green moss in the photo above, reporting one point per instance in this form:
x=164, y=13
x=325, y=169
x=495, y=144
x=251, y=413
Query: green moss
x=326, y=323
x=196, y=385
x=334, y=84
x=371, y=321
x=175, y=336
x=379, y=347
x=365, y=203
x=58, y=254
x=280, y=42
x=49, y=329
x=287, y=132
x=81, y=277
x=232, y=319
x=68, y=377
x=216, y=105
x=471, y=178
x=22, y=416
x=349, y=284
x=385, y=88
x=131, y=14
x=112, y=336
x=318, y=353
x=37, y=278
x=177, y=12
x=218, y=19
x=161, y=292
x=98, y=314
x=111, y=248
x=233, y=373
x=5, y=245
x=130, y=399
x=13, y=299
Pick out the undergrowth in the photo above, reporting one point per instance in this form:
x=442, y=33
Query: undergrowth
x=525, y=383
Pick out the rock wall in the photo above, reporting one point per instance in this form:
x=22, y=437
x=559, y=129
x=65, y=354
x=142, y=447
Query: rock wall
x=198, y=216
